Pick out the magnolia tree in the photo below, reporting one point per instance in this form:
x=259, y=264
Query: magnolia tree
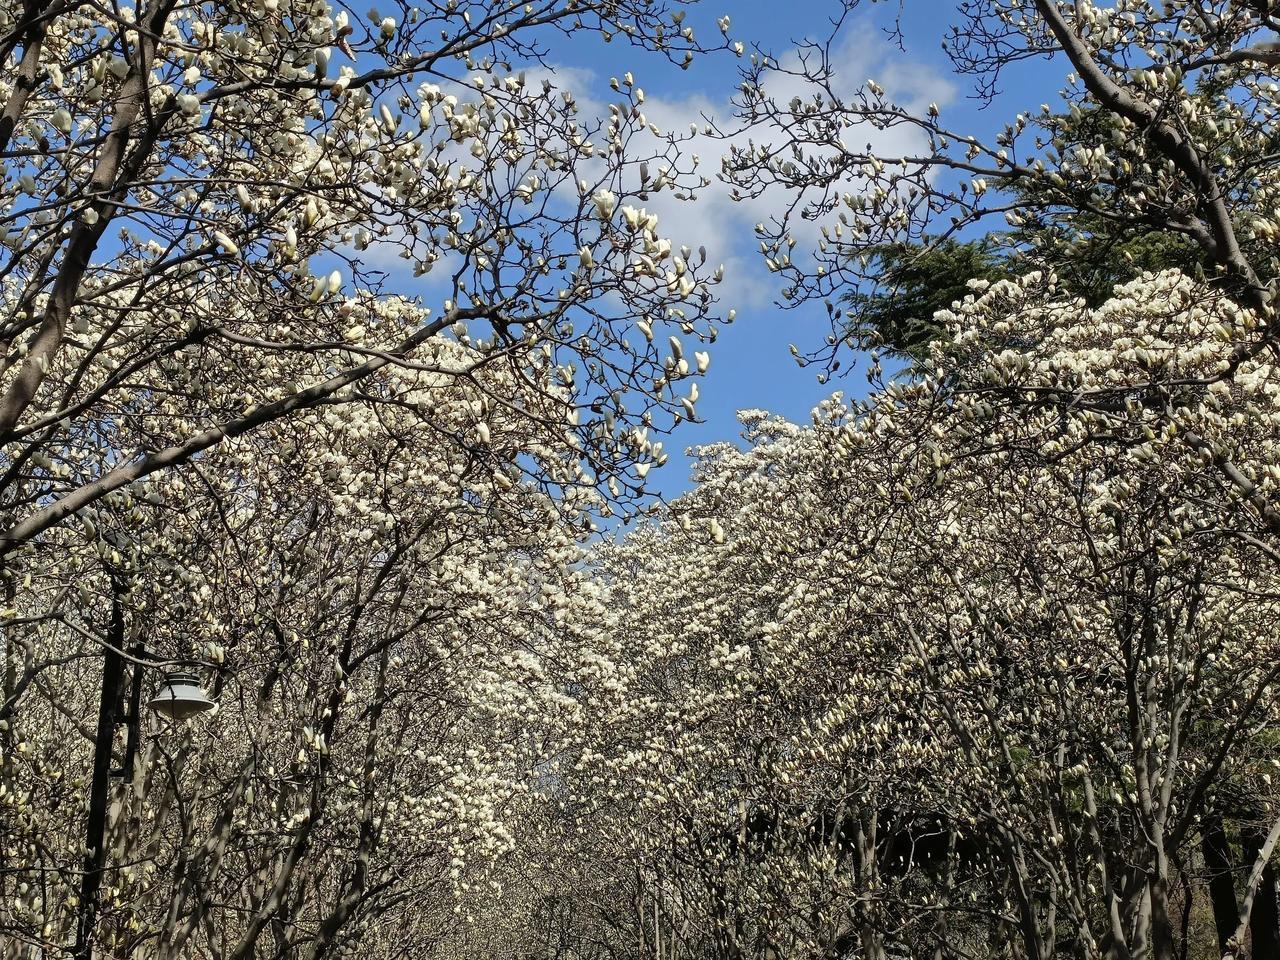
x=1163, y=128
x=228, y=439
x=957, y=672
x=1158, y=143
x=370, y=617
x=184, y=186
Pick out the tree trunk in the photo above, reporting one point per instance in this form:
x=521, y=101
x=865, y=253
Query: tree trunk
x=1162, y=947
x=1264, y=919
x=1222, y=888
x=871, y=930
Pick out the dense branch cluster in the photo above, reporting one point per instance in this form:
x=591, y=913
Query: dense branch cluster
x=193, y=204
x=957, y=668
x=331, y=338
x=232, y=442
x=1167, y=126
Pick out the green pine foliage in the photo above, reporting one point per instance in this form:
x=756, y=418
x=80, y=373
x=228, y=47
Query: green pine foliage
x=913, y=281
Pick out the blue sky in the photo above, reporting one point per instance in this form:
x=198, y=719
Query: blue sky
x=751, y=363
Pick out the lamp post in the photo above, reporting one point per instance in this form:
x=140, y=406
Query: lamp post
x=178, y=697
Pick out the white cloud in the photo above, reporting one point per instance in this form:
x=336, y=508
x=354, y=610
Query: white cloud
x=714, y=220
x=726, y=227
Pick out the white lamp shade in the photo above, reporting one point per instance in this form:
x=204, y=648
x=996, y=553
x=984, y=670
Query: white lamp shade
x=180, y=696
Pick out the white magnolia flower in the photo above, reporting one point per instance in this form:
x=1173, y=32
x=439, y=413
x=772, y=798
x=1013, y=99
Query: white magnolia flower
x=225, y=242
x=605, y=203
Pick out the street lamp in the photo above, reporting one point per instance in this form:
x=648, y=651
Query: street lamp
x=180, y=696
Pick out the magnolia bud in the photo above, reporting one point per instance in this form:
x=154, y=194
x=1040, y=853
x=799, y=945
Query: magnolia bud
x=225, y=242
